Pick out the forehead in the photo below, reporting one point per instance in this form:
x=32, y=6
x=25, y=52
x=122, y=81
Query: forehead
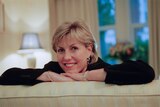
x=68, y=40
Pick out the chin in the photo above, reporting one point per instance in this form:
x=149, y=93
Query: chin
x=71, y=71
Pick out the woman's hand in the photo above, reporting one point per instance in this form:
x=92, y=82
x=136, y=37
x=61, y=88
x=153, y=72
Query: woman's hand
x=93, y=75
x=96, y=75
x=50, y=76
x=76, y=76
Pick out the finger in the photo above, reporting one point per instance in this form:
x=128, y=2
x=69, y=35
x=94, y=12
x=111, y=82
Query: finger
x=66, y=74
x=63, y=74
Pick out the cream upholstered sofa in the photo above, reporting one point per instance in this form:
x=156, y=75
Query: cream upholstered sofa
x=81, y=94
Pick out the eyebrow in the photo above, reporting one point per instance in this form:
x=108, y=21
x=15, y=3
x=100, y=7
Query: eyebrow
x=70, y=45
x=74, y=44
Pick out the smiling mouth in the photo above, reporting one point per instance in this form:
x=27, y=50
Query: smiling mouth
x=69, y=65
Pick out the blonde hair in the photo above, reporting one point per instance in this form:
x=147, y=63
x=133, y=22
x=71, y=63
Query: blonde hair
x=78, y=30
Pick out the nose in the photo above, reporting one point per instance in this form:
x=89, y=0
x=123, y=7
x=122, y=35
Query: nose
x=67, y=55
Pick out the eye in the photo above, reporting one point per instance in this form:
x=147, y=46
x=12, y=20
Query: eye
x=60, y=50
x=74, y=48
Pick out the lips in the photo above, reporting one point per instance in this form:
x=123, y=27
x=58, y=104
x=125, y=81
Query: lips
x=69, y=65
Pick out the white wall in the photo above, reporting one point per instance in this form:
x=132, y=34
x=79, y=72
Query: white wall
x=22, y=16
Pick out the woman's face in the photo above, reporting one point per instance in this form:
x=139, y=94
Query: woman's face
x=72, y=55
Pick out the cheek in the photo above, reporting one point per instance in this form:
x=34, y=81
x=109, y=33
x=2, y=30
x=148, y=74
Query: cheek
x=85, y=54
x=59, y=60
x=59, y=57
x=82, y=58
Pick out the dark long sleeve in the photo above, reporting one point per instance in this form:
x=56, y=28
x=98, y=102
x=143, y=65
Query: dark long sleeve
x=129, y=72
x=18, y=76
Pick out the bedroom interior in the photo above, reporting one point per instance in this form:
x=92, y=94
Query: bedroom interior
x=42, y=17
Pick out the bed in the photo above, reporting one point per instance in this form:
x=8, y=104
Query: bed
x=81, y=94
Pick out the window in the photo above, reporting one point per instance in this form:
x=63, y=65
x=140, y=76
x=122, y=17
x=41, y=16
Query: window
x=106, y=26
x=139, y=27
x=123, y=21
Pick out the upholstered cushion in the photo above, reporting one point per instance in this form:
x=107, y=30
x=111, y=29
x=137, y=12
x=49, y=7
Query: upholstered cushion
x=78, y=88
x=82, y=94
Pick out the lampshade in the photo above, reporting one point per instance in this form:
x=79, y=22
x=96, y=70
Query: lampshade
x=30, y=43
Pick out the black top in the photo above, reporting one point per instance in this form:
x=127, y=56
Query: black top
x=129, y=72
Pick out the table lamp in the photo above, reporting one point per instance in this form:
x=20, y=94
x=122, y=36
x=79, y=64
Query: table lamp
x=30, y=44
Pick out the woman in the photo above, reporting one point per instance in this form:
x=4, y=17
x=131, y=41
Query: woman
x=77, y=60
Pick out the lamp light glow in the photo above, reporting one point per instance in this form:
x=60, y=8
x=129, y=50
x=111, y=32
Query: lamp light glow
x=30, y=43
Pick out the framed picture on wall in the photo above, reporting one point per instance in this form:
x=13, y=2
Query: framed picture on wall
x=1, y=17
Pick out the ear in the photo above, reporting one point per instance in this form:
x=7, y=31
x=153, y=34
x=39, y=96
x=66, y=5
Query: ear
x=90, y=47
